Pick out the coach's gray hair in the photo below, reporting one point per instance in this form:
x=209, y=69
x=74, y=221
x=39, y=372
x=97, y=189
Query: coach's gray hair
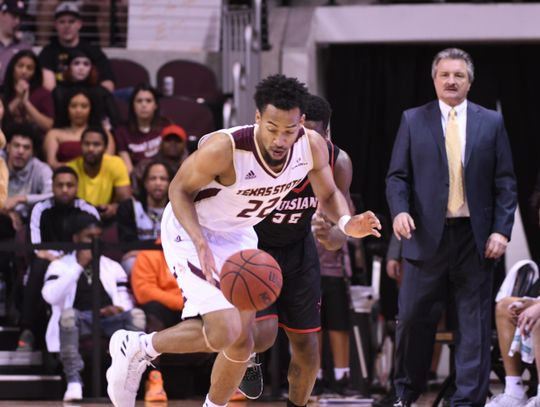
x=453, y=53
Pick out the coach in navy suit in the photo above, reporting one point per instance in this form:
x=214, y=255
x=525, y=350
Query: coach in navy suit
x=451, y=190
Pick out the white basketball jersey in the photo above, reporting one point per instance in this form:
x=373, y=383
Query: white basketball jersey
x=258, y=190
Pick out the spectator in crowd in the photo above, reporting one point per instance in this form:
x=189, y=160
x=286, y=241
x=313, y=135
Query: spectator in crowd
x=103, y=178
x=4, y=172
x=523, y=313
x=10, y=17
x=172, y=150
x=68, y=289
x=140, y=220
x=54, y=56
x=30, y=180
x=49, y=222
x=63, y=142
x=140, y=137
x=159, y=296
x=27, y=101
x=82, y=73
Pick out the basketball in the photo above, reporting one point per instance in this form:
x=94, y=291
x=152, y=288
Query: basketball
x=251, y=280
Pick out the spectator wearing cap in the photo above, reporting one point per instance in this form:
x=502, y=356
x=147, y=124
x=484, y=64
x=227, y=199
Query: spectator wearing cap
x=139, y=220
x=54, y=56
x=82, y=74
x=68, y=289
x=172, y=150
x=10, y=18
x=103, y=178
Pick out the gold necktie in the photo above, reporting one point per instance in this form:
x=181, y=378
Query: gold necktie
x=455, y=169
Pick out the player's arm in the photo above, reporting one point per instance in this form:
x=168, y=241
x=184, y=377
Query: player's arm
x=326, y=232
x=209, y=162
x=331, y=201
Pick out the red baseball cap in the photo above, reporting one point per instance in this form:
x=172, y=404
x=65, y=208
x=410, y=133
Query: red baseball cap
x=174, y=130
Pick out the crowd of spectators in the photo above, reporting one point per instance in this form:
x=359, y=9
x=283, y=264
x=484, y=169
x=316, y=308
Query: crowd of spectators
x=74, y=171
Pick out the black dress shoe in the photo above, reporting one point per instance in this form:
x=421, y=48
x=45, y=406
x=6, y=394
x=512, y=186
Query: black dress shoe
x=401, y=403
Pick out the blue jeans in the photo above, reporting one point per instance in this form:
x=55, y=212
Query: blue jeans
x=75, y=323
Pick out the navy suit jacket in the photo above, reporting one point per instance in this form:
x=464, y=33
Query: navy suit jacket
x=417, y=180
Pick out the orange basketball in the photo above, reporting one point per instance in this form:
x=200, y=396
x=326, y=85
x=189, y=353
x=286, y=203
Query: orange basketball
x=251, y=280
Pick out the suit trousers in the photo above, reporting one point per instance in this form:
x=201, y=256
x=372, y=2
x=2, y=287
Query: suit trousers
x=458, y=275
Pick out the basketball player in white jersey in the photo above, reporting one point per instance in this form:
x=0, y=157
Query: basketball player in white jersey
x=234, y=180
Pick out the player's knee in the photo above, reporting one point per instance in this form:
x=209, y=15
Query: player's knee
x=222, y=332
x=306, y=347
x=265, y=334
x=68, y=317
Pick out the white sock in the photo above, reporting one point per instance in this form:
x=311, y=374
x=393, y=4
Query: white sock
x=320, y=374
x=538, y=390
x=514, y=386
x=146, y=343
x=208, y=403
x=340, y=372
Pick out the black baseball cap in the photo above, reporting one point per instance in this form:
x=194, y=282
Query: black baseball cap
x=15, y=7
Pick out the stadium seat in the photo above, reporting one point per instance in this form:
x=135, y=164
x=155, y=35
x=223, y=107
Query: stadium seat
x=128, y=73
x=195, y=118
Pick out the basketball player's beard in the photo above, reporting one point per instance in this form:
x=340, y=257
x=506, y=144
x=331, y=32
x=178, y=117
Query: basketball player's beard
x=272, y=162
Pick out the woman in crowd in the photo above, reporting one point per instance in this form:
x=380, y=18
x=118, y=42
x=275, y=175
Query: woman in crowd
x=140, y=138
x=63, y=142
x=26, y=100
x=82, y=73
x=140, y=220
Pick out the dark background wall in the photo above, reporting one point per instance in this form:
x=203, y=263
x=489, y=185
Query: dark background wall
x=369, y=86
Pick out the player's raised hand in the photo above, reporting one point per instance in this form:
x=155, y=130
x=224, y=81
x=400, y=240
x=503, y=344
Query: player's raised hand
x=208, y=264
x=363, y=225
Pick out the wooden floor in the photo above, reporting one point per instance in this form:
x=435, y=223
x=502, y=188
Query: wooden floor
x=174, y=403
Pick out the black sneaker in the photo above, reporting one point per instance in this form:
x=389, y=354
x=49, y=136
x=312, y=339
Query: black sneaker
x=251, y=385
x=385, y=401
x=343, y=387
x=318, y=388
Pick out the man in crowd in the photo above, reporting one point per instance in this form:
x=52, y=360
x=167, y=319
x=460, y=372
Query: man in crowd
x=49, y=222
x=10, y=17
x=103, y=178
x=68, y=289
x=54, y=57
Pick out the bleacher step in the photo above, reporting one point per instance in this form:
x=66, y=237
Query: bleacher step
x=31, y=387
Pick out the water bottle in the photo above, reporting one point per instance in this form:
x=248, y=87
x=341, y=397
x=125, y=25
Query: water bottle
x=168, y=86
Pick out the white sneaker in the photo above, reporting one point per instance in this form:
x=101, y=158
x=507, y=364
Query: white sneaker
x=73, y=392
x=533, y=402
x=128, y=363
x=506, y=400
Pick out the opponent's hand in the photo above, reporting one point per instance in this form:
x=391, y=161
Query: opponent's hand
x=363, y=225
x=320, y=226
x=495, y=246
x=403, y=226
x=208, y=264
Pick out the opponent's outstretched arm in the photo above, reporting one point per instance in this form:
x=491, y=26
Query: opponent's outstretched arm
x=331, y=200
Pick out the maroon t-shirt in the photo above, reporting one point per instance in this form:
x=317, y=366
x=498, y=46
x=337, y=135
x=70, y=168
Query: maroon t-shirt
x=42, y=99
x=139, y=145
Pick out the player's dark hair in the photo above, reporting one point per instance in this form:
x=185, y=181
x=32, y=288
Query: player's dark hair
x=280, y=91
x=318, y=110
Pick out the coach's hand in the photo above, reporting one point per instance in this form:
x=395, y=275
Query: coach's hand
x=208, y=264
x=363, y=225
x=403, y=225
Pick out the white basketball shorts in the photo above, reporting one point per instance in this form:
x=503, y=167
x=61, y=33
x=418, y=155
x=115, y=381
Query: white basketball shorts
x=200, y=297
